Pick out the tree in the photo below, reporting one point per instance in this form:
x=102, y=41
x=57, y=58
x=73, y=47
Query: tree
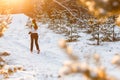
x=110, y=29
x=95, y=29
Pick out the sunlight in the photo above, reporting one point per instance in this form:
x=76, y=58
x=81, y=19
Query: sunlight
x=11, y=2
x=15, y=1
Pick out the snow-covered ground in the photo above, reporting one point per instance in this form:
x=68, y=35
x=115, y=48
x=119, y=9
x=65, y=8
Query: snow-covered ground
x=45, y=66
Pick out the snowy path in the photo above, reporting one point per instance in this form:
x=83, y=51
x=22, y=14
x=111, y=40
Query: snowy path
x=16, y=41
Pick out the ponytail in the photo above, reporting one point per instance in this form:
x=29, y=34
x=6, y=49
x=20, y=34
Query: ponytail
x=34, y=24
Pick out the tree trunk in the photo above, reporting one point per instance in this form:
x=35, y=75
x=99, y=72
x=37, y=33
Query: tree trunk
x=98, y=40
x=113, y=33
x=71, y=34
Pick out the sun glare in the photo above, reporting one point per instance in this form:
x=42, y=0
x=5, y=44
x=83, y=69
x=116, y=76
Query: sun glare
x=10, y=2
x=16, y=1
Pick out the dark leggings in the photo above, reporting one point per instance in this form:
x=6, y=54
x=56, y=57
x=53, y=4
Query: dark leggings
x=34, y=38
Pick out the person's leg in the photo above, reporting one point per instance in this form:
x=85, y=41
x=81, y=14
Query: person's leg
x=31, y=46
x=36, y=43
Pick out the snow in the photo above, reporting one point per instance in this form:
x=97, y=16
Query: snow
x=16, y=41
x=46, y=65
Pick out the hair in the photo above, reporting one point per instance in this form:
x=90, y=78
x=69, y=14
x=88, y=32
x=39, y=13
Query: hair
x=35, y=25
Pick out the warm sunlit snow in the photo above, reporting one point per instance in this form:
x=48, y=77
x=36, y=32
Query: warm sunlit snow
x=45, y=66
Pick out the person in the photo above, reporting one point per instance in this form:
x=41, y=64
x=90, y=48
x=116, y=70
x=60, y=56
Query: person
x=34, y=36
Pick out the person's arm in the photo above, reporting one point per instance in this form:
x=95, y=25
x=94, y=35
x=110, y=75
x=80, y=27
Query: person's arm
x=30, y=30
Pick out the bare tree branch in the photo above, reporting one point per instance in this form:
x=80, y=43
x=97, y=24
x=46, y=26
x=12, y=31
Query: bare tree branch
x=67, y=10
